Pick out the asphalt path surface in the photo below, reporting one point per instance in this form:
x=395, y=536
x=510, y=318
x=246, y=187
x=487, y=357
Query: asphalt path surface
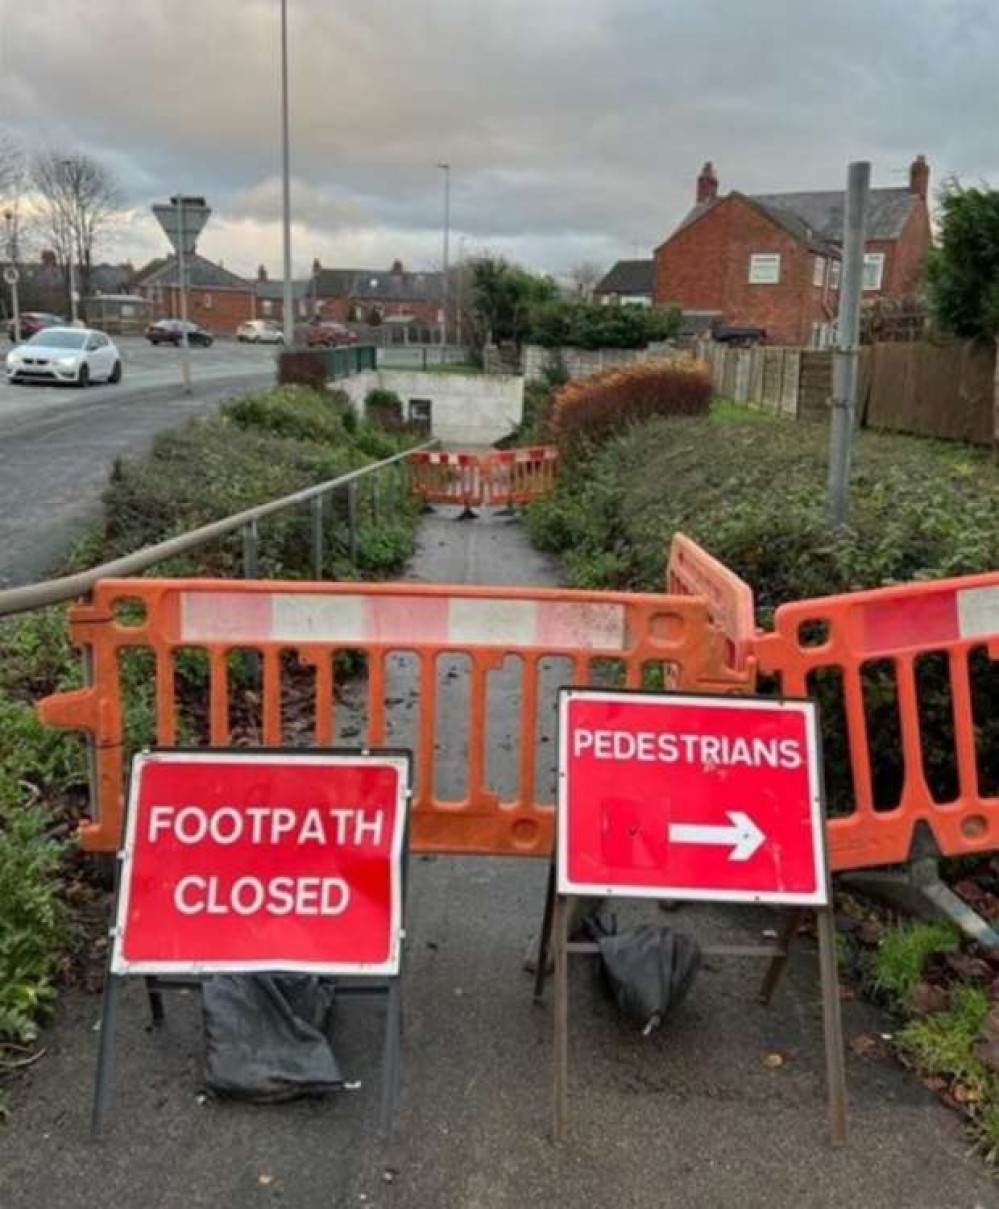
x=57, y=443
x=691, y=1117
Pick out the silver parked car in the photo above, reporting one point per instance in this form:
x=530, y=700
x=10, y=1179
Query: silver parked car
x=260, y=331
x=76, y=355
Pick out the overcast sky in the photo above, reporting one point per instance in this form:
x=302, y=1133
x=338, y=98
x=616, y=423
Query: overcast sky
x=575, y=128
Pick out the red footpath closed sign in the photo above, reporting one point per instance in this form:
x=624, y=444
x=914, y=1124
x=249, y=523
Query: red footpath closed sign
x=697, y=797
x=241, y=861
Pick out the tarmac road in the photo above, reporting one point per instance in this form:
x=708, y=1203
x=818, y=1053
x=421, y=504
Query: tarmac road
x=690, y=1118
x=57, y=443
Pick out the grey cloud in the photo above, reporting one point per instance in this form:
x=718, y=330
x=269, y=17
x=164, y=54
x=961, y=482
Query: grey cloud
x=575, y=127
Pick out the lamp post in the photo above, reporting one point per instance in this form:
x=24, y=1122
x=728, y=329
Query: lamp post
x=11, y=274
x=288, y=303
x=73, y=302
x=460, y=301
x=446, y=169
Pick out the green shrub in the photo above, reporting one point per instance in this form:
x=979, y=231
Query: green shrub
x=581, y=324
x=383, y=409
x=32, y=916
x=592, y=409
x=751, y=489
x=292, y=411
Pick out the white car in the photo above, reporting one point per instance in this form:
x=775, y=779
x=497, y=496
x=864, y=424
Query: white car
x=76, y=355
x=260, y=331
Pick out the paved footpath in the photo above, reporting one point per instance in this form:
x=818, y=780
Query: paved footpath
x=689, y=1118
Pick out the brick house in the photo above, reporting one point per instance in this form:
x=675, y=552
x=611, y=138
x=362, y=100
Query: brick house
x=373, y=295
x=629, y=281
x=772, y=260
x=217, y=299
x=270, y=297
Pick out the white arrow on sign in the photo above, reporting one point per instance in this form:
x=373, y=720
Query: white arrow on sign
x=743, y=835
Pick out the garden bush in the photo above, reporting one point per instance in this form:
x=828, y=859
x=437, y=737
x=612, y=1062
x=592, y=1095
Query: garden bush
x=293, y=411
x=581, y=324
x=590, y=409
x=751, y=490
x=383, y=409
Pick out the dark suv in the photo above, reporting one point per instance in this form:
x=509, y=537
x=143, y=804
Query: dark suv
x=170, y=331
x=33, y=322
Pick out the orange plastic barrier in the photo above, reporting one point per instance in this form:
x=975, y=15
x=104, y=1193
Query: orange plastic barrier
x=511, y=476
x=518, y=476
x=692, y=571
x=518, y=646
x=446, y=478
x=901, y=625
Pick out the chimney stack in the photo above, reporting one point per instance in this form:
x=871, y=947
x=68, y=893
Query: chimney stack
x=707, y=183
x=919, y=177
x=262, y=273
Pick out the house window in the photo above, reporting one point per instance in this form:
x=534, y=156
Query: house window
x=834, y=275
x=206, y=301
x=764, y=268
x=819, y=270
x=303, y=307
x=266, y=307
x=874, y=267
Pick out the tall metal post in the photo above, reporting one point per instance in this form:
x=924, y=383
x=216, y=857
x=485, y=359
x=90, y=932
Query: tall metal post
x=74, y=306
x=288, y=304
x=185, y=347
x=847, y=348
x=446, y=168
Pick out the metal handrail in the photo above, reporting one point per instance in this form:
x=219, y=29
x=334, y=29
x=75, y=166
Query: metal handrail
x=71, y=587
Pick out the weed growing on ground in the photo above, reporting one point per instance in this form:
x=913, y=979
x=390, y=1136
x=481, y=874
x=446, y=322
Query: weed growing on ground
x=900, y=961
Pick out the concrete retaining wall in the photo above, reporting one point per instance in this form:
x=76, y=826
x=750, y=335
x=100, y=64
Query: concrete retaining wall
x=466, y=409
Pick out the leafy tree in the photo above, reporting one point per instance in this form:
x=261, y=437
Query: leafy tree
x=963, y=270
x=592, y=325
x=506, y=296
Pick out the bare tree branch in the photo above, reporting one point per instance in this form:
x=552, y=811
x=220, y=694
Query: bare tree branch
x=79, y=200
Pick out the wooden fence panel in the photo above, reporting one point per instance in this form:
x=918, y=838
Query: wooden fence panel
x=944, y=391
x=788, y=402
x=815, y=384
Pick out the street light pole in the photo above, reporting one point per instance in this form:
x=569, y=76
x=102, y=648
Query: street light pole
x=847, y=351
x=11, y=273
x=446, y=169
x=288, y=302
x=73, y=305
x=460, y=301
x=185, y=347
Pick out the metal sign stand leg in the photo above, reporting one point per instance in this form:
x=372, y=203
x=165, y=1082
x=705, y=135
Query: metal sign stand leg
x=155, y=1002
x=544, y=940
x=390, y=1062
x=832, y=1025
x=788, y=931
x=105, y=1054
x=563, y=908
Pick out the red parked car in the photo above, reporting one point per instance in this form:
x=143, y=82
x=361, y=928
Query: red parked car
x=327, y=333
x=33, y=322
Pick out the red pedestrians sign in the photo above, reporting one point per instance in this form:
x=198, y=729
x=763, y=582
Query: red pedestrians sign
x=242, y=861
x=691, y=797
